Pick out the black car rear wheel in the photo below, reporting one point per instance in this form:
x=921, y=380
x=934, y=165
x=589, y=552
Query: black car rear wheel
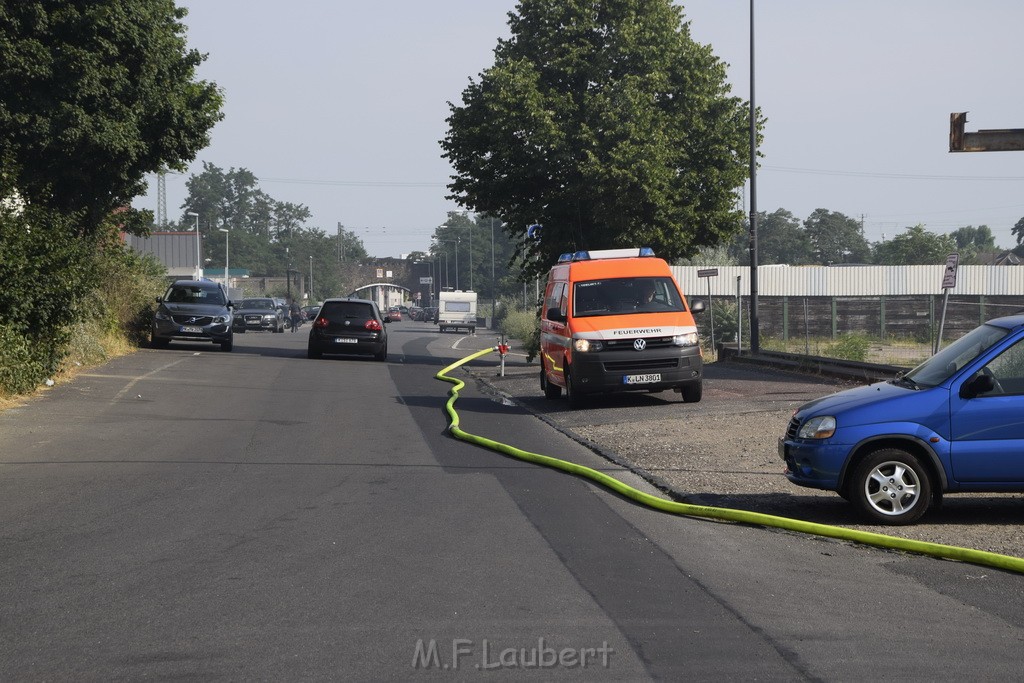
x=382, y=354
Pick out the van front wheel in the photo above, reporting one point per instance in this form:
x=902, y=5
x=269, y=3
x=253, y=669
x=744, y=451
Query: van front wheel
x=571, y=395
x=692, y=393
x=551, y=391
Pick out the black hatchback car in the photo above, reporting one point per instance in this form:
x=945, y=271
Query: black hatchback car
x=349, y=326
x=193, y=311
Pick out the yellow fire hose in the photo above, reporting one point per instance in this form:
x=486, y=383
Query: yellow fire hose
x=949, y=552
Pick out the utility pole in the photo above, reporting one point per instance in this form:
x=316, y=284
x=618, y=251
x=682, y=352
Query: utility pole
x=755, y=338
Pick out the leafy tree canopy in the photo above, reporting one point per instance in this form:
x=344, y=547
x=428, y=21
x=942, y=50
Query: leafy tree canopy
x=606, y=123
x=974, y=244
x=94, y=95
x=836, y=238
x=915, y=247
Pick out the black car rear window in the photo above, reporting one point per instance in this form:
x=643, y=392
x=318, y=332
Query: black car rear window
x=346, y=310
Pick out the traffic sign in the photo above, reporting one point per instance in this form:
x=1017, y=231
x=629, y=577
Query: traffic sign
x=707, y=272
x=949, y=276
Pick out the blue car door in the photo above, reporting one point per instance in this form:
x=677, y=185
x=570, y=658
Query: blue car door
x=987, y=431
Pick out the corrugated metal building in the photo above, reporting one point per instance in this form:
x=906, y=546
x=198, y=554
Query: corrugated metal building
x=176, y=250
x=853, y=280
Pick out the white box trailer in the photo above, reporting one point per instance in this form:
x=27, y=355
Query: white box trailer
x=457, y=310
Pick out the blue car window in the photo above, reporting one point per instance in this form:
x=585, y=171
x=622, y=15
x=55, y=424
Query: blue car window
x=1007, y=369
x=960, y=353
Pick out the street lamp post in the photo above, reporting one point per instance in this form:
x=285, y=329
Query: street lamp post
x=494, y=301
x=227, y=256
x=311, y=299
x=199, y=271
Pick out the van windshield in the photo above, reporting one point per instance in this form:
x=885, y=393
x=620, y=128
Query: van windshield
x=618, y=296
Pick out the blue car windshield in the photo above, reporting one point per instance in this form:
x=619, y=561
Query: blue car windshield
x=949, y=360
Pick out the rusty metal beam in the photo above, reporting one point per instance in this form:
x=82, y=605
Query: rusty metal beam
x=1004, y=140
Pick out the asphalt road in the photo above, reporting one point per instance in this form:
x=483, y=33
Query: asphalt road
x=187, y=513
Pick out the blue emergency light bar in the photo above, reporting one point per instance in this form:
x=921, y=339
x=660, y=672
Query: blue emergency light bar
x=605, y=253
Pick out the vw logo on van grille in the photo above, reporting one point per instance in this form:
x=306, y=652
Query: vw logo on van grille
x=640, y=344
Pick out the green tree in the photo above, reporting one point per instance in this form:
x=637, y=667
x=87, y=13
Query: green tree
x=1018, y=231
x=604, y=121
x=780, y=239
x=915, y=247
x=972, y=242
x=94, y=95
x=836, y=238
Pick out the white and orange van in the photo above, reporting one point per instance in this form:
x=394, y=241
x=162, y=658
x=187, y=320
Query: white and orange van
x=616, y=320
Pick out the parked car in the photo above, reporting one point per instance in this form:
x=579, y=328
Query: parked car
x=193, y=311
x=430, y=314
x=415, y=313
x=951, y=424
x=309, y=312
x=349, y=326
x=395, y=313
x=260, y=314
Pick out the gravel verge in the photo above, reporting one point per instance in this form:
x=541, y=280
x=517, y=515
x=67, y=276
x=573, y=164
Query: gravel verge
x=723, y=452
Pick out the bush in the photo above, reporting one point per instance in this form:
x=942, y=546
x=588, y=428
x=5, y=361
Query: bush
x=850, y=347
x=523, y=325
x=66, y=294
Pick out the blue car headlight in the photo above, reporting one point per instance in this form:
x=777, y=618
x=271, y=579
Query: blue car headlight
x=821, y=427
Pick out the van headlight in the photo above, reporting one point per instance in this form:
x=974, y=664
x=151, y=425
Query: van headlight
x=821, y=427
x=688, y=339
x=586, y=345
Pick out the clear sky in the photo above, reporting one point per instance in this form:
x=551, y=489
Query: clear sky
x=339, y=105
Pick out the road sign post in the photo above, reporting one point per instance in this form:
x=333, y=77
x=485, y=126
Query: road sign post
x=948, y=283
x=710, y=273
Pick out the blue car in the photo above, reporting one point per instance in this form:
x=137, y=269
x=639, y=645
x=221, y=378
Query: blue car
x=953, y=423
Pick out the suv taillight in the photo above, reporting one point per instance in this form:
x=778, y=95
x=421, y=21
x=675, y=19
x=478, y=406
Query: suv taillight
x=372, y=325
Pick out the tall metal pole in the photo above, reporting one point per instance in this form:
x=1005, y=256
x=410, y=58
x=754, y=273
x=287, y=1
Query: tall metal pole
x=755, y=337
x=311, y=278
x=199, y=272
x=227, y=256
x=494, y=304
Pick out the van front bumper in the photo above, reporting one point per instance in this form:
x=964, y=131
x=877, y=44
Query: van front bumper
x=613, y=371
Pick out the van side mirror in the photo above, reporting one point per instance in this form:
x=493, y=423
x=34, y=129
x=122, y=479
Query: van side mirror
x=697, y=306
x=555, y=314
x=978, y=385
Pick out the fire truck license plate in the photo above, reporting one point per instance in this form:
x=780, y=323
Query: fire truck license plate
x=641, y=379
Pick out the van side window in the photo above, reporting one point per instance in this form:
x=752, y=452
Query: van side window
x=554, y=297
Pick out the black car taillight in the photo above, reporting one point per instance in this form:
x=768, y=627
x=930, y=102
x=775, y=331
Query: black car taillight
x=322, y=323
x=372, y=325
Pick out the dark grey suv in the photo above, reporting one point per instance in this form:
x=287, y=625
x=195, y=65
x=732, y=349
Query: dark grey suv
x=193, y=311
x=349, y=326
